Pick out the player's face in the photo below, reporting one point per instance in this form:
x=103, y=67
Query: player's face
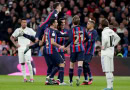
x=88, y=25
x=59, y=8
x=24, y=23
x=63, y=24
x=55, y=24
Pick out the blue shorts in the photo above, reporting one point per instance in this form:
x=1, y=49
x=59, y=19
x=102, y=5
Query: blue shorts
x=54, y=58
x=62, y=55
x=88, y=58
x=77, y=56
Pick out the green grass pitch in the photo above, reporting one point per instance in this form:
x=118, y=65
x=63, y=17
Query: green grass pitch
x=16, y=83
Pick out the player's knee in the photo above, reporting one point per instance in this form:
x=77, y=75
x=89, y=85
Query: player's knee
x=62, y=65
x=71, y=65
x=80, y=63
x=22, y=63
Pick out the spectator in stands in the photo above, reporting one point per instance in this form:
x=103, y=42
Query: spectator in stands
x=3, y=45
x=33, y=24
x=97, y=51
x=128, y=55
x=119, y=51
x=125, y=43
x=4, y=52
x=13, y=51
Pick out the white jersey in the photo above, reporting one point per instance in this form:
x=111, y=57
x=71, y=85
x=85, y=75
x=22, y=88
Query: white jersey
x=109, y=40
x=22, y=41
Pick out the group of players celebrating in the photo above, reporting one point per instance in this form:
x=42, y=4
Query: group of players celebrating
x=53, y=36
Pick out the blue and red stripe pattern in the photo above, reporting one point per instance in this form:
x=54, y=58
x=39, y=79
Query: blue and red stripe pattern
x=77, y=38
x=90, y=45
x=62, y=40
x=46, y=23
x=48, y=34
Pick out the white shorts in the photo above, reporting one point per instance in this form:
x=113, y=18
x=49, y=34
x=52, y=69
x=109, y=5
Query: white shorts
x=107, y=64
x=24, y=57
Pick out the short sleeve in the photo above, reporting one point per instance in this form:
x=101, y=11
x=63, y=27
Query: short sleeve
x=32, y=32
x=16, y=33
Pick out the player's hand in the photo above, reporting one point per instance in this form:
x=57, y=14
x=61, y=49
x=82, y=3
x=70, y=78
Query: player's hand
x=17, y=45
x=61, y=47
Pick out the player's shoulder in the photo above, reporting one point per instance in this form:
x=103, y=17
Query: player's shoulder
x=17, y=29
x=94, y=31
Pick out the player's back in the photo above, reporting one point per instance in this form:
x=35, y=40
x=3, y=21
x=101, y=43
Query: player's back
x=77, y=38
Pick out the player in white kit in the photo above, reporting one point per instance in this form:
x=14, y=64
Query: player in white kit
x=109, y=40
x=21, y=45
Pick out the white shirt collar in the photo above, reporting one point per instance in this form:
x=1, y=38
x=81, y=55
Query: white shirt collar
x=106, y=28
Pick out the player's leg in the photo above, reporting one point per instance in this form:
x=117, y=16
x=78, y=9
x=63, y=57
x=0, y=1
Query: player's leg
x=80, y=59
x=62, y=55
x=28, y=61
x=108, y=69
x=71, y=69
x=22, y=62
x=85, y=73
x=89, y=58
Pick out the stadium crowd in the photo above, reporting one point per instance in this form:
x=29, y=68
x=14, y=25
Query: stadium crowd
x=35, y=11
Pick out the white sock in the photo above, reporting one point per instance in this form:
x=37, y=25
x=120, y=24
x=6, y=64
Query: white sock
x=30, y=69
x=109, y=77
x=23, y=71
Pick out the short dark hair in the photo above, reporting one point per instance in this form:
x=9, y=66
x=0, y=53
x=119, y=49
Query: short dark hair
x=56, y=4
x=76, y=20
x=104, y=23
x=52, y=21
x=60, y=21
x=23, y=18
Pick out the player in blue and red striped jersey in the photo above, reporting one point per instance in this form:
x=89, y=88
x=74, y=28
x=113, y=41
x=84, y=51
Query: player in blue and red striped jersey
x=89, y=51
x=62, y=40
x=76, y=39
x=52, y=57
x=54, y=14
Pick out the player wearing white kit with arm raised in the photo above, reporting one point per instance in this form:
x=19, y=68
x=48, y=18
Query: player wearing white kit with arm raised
x=109, y=40
x=21, y=45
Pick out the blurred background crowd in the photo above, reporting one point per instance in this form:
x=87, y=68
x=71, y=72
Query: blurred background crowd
x=35, y=11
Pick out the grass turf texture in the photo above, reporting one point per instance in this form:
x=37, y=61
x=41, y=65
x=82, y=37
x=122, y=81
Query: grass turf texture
x=16, y=83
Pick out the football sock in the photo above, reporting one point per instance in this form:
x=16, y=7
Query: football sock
x=49, y=70
x=30, y=69
x=79, y=71
x=109, y=77
x=55, y=70
x=71, y=74
x=85, y=72
x=89, y=72
x=23, y=71
x=61, y=72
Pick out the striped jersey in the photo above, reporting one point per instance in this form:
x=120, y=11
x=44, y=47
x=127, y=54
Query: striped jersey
x=48, y=34
x=46, y=23
x=77, y=35
x=90, y=44
x=62, y=40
